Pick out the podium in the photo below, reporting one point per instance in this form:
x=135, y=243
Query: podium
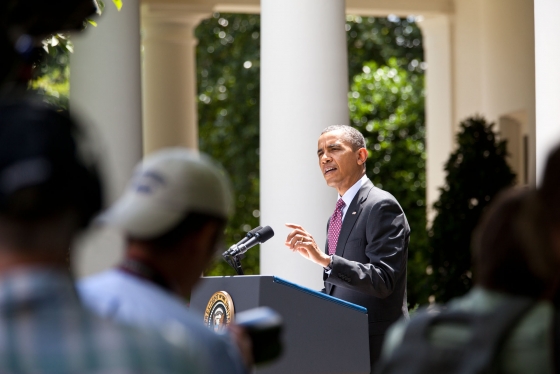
x=322, y=334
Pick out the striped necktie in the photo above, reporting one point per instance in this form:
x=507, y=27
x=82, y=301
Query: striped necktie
x=335, y=225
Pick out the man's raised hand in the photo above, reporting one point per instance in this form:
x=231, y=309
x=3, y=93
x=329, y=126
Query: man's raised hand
x=299, y=240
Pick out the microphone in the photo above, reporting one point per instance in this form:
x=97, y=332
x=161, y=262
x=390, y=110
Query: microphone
x=260, y=237
x=249, y=235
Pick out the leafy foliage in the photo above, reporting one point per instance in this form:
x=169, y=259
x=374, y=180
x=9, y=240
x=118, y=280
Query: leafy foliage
x=52, y=73
x=393, y=43
x=476, y=172
x=387, y=106
x=382, y=39
x=100, y=4
x=228, y=68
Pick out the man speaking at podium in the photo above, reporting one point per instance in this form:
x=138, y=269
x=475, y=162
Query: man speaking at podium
x=367, y=236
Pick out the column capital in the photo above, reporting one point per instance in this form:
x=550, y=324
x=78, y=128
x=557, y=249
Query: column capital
x=169, y=85
x=172, y=23
x=434, y=21
x=185, y=14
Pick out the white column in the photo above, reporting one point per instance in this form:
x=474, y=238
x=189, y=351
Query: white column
x=436, y=33
x=547, y=80
x=169, y=84
x=303, y=90
x=105, y=91
x=469, y=36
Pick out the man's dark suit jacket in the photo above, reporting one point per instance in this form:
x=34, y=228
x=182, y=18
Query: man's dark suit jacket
x=369, y=266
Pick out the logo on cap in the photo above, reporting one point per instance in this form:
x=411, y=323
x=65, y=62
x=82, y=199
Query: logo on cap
x=148, y=182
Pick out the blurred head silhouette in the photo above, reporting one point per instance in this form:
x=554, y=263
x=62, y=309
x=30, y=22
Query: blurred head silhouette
x=48, y=188
x=505, y=255
x=546, y=210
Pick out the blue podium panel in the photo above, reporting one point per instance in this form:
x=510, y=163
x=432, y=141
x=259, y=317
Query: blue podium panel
x=322, y=334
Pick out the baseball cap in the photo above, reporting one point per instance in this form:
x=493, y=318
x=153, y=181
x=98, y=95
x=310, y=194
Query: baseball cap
x=166, y=186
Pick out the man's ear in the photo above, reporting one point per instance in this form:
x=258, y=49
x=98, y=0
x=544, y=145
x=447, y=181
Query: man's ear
x=362, y=156
x=207, y=237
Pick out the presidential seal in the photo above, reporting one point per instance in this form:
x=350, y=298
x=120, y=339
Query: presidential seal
x=219, y=311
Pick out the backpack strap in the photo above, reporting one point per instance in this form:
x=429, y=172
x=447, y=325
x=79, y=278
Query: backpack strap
x=491, y=331
x=556, y=340
x=488, y=331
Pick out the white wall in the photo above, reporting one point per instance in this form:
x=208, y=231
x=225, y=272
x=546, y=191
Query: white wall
x=436, y=34
x=494, y=62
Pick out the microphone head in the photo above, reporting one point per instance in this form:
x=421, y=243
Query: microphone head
x=254, y=231
x=265, y=233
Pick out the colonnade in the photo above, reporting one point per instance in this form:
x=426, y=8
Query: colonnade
x=138, y=109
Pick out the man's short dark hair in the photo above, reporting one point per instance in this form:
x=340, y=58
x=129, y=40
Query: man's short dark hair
x=502, y=260
x=351, y=135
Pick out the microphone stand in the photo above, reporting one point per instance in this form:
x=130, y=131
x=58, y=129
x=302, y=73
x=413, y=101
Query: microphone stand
x=234, y=254
x=235, y=262
x=237, y=265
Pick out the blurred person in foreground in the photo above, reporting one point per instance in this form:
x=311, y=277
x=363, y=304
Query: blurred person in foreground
x=546, y=214
x=173, y=215
x=49, y=191
x=510, y=269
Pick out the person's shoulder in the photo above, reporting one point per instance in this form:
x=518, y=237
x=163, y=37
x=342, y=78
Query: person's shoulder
x=537, y=321
x=378, y=199
x=128, y=299
x=526, y=348
x=99, y=280
x=226, y=357
x=379, y=195
x=122, y=347
x=194, y=322
x=97, y=288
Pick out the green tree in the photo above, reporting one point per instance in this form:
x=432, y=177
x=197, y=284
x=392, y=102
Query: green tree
x=228, y=67
x=387, y=106
x=51, y=74
x=372, y=39
x=476, y=172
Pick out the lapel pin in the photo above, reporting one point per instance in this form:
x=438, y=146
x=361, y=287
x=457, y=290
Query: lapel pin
x=353, y=212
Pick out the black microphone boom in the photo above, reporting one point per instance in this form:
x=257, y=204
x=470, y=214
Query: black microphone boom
x=260, y=237
x=249, y=235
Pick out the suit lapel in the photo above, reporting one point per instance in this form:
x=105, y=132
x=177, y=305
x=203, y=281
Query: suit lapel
x=350, y=217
